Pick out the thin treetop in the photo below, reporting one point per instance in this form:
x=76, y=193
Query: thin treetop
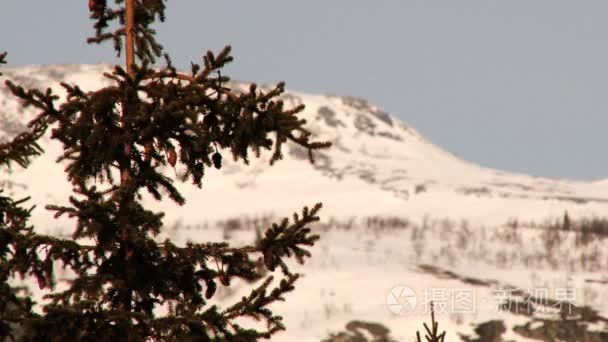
x=148, y=117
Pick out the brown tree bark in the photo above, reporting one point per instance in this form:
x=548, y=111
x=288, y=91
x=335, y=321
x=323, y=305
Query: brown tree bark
x=130, y=35
x=126, y=164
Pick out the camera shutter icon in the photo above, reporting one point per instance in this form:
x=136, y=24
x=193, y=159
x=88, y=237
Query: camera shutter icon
x=401, y=300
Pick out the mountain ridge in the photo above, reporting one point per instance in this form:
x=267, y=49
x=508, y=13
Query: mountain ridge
x=378, y=165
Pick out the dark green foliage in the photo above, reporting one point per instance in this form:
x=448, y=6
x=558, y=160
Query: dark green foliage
x=13, y=308
x=147, y=118
x=24, y=146
x=432, y=334
x=147, y=48
x=13, y=218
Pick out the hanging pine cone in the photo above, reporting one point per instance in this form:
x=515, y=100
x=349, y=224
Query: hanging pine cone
x=41, y=281
x=97, y=6
x=148, y=150
x=210, y=120
x=224, y=279
x=269, y=260
x=211, y=288
x=217, y=160
x=152, y=3
x=172, y=157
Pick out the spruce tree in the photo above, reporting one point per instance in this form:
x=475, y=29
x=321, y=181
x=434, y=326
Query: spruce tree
x=13, y=218
x=116, y=141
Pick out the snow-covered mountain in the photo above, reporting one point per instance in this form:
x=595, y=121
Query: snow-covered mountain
x=377, y=165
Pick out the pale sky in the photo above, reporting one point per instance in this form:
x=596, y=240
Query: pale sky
x=518, y=85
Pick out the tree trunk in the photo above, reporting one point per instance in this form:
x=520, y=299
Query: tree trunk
x=130, y=35
x=126, y=163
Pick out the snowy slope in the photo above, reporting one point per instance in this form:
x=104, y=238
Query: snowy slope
x=377, y=166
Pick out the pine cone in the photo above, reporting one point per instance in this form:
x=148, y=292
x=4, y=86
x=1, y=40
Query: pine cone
x=41, y=281
x=211, y=288
x=269, y=260
x=217, y=160
x=148, y=149
x=224, y=279
x=210, y=120
x=172, y=157
x=151, y=3
x=97, y=6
